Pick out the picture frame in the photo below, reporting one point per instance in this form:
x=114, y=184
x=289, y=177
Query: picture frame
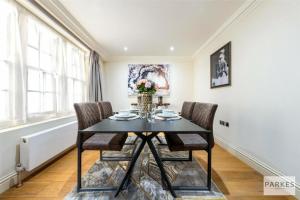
x=157, y=73
x=220, y=67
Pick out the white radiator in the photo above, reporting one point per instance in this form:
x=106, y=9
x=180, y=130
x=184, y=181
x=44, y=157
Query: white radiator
x=37, y=148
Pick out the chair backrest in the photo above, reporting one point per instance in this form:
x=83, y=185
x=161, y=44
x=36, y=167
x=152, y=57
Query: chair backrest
x=87, y=115
x=203, y=115
x=187, y=109
x=105, y=109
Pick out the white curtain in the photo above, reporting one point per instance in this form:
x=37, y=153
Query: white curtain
x=11, y=55
x=68, y=69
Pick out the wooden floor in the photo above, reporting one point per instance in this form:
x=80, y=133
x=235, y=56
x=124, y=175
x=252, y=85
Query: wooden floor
x=234, y=178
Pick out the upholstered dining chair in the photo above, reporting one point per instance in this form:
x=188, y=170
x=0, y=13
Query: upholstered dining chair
x=203, y=115
x=88, y=114
x=106, y=111
x=186, y=112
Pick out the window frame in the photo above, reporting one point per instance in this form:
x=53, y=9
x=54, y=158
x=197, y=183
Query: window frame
x=35, y=116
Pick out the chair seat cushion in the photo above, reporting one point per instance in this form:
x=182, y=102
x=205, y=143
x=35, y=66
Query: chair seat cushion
x=105, y=141
x=185, y=142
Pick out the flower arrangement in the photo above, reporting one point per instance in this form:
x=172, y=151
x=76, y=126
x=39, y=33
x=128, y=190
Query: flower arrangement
x=146, y=86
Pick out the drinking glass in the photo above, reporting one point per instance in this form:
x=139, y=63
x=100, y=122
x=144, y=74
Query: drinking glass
x=151, y=112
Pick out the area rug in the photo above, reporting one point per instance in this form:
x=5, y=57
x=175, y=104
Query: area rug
x=145, y=181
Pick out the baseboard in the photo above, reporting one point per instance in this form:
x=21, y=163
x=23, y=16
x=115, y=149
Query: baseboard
x=11, y=179
x=8, y=181
x=256, y=164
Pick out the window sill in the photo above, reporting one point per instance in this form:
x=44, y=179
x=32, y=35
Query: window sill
x=29, y=124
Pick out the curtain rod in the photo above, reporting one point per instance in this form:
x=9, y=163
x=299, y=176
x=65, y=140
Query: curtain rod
x=48, y=14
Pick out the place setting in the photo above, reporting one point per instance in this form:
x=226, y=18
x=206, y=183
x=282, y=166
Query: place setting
x=124, y=116
x=167, y=115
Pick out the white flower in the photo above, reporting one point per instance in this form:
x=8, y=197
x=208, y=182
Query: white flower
x=148, y=84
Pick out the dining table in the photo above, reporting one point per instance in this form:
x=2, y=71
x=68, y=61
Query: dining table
x=146, y=131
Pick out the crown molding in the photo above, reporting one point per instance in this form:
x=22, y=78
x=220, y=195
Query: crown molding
x=60, y=12
x=151, y=59
x=63, y=15
x=248, y=6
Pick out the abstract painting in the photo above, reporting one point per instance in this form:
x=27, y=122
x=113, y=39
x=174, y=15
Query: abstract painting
x=158, y=73
x=220, y=67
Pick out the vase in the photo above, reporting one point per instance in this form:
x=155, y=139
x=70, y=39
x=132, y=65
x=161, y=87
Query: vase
x=144, y=99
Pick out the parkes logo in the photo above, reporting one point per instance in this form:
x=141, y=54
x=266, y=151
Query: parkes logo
x=279, y=185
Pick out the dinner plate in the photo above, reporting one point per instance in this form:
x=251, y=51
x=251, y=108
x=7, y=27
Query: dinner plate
x=167, y=115
x=123, y=119
x=130, y=115
x=133, y=110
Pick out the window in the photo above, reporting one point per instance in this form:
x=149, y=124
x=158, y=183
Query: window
x=41, y=72
x=75, y=75
x=54, y=67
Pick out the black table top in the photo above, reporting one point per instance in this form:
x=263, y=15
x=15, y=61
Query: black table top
x=142, y=125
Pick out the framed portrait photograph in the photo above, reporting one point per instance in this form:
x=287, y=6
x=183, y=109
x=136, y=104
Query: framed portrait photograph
x=220, y=67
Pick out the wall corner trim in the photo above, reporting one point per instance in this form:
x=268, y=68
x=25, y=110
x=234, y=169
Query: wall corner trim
x=248, y=6
x=57, y=9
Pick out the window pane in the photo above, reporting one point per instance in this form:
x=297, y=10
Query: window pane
x=71, y=71
x=75, y=56
x=48, y=102
x=4, y=74
x=34, y=102
x=48, y=81
x=46, y=62
x=32, y=57
x=33, y=34
x=46, y=41
x=70, y=93
x=34, y=80
x=77, y=91
x=81, y=66
x=4, y=115
x=3, y=39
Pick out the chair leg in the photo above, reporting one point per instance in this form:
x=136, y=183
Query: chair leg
x=190, y=158
x=209, y=168
x=79, y=170
x=200, y=188
x=190, y=155
x=159, y=140
x=208, y=181
x=79, y=166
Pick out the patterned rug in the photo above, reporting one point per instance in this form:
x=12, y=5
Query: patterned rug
x=145, y=181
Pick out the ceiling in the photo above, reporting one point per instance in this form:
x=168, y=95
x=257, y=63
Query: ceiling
x=150, y=27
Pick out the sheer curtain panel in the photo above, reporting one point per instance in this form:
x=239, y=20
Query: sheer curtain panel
x=42, y=74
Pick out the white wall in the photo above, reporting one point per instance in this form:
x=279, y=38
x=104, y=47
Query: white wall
x=262, y=105
x=116, y=75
